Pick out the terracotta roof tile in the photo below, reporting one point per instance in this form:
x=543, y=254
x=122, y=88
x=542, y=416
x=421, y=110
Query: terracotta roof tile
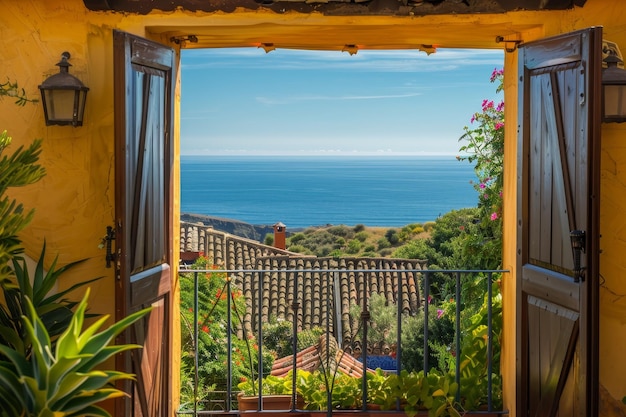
x=319, y=294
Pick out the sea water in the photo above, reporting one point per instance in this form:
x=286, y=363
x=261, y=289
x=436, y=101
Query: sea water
x=321, y=190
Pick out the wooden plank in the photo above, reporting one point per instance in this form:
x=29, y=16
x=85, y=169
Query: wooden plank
x=560, y=363
x=554, y=51
x=534, y=357
x=536, y=151
x=552, y=286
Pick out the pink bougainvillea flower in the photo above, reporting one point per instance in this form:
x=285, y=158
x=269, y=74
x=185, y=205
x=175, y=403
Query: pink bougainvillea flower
x=439, y=313
x=494, y=216
x=498, y=126
x=482, y=185
x=430, y=298
x=496, y=73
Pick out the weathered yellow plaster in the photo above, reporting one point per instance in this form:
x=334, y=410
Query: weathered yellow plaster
x=75, y=201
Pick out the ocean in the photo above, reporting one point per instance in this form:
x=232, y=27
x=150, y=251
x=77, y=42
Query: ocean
x=318, y=190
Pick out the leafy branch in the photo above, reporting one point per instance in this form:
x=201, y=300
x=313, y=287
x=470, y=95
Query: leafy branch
x=12, y=89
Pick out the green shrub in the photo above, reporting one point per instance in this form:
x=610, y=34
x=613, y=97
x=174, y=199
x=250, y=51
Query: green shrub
x=392, y=236
x=361, y=236
x=300, y=249
x=298, y=237
x=354, y=246
x=343, y=231
x=383, y=243
x=340, y=243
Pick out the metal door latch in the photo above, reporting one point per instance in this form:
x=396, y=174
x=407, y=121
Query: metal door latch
x=108, y=238
x=577, y=238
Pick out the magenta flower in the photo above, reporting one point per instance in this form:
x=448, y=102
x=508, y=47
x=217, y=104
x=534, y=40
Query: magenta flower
x=430, y=298
x=482, y=185
x=494, y=216
x=439, y=313
x=496, y=73
x=498, y=126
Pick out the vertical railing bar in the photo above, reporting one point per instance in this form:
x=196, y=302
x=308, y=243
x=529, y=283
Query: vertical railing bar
x=195, y=344
x=329, y=389
x=457, y=335
x=426, y=297
x=229, y=341
x=489, y=341
x=337, y=306
x=399, y=332
x=399, y=323
x=260, y=340
x=295, y=306
x=363, y=379
x=364, y=320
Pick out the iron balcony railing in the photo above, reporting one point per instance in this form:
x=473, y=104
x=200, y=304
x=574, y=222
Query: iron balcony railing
x=462, y=284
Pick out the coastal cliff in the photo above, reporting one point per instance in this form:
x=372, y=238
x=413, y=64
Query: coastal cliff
x=234, y=227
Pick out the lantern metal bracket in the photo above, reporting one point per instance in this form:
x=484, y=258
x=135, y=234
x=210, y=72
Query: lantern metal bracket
x=510, y=45
x=184, y=38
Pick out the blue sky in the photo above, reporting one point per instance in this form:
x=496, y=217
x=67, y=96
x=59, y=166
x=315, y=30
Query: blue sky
x=289, y=102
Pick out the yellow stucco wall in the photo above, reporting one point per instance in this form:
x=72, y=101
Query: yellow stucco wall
x=75, y=201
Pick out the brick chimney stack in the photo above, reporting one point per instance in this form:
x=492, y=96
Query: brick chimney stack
x=280, y=235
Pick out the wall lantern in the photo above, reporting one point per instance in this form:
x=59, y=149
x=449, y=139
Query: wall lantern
x=613, y=90
x=63, y=96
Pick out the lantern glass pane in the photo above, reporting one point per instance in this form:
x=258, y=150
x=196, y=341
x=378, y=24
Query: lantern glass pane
x=60, y=104
x=615, y=101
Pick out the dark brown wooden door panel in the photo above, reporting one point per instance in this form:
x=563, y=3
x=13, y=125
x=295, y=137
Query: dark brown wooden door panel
x=144, y=74
x=558, y=179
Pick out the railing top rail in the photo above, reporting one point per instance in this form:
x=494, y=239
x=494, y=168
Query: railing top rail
x=451, y=271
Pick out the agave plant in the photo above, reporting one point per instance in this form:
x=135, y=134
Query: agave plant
x=53, y=308
x=62, y=380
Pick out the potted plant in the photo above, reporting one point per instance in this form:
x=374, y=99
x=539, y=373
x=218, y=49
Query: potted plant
x=276, y=394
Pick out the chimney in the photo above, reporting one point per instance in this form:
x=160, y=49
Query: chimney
x=280, y=236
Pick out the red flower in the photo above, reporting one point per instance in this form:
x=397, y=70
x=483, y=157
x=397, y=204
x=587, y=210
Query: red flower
x=205, y=328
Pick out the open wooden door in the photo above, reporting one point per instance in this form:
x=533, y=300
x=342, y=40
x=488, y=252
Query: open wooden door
x=558, y=193
x=144, y=82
